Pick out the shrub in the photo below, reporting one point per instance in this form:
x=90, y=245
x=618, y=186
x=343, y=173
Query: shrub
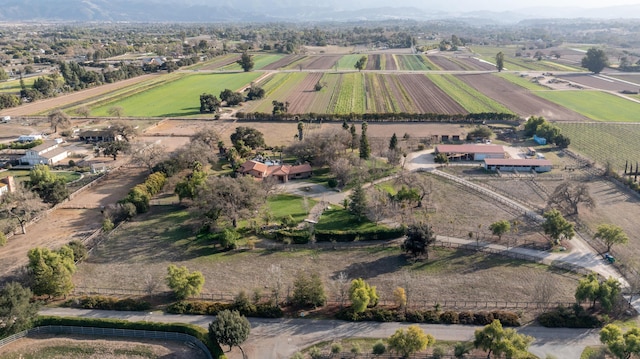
x=107, y=225
x=438, y=352
x=332, y=183
x=79, y=250
x=414, y=316
x=336, y=348
x=465, y=317
x=379, y=348
x=110, y=303
x=381, y=315
x=3, y=239
x=563, y=317
x=482, y=318
x=315, y=353
x=449, y=317
x=507, y=319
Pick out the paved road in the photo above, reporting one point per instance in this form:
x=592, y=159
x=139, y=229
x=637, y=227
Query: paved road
x=281, y=338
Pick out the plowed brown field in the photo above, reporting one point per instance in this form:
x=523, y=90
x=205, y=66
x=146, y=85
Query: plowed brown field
x=390, y=62
x=427, y=97
x=283, y=62
x=221, y=62
x=325, y=62
x=476, y=64
x=373, y=62
x=519, y=99
x=604, y=83
x=301, y=98
x=446, y=64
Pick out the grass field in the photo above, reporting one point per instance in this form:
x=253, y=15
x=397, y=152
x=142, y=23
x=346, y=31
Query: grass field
x=259, y=61
x=348, y=62
x=23, y=175
x=338, y=218
x=277, y=87
x=605, y=142
x=13, y=86
x=597, y=105
x=177, y=98
x=472, y=100
x=513, y=63
x=283, y=205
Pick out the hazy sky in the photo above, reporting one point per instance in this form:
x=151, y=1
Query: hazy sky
x=504, y=4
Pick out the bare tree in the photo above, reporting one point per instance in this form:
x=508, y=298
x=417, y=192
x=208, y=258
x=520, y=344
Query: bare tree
x=544, y=290
x=57, y=118
x=149, y=154
x=340, y=284
x=275, y=272
x=126, y=130
x=379, y=204
x=568, y=196
x=342, y=169
x=83, y=111
x=21, y=206
x=208, y=136
x=115, y=111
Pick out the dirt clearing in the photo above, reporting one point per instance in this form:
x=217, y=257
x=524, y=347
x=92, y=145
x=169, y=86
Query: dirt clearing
x=79, y=346
x=80, y=218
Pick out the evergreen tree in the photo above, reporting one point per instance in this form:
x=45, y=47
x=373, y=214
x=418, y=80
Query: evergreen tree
x=393, y=143
x=358, y=203
x=365, y=149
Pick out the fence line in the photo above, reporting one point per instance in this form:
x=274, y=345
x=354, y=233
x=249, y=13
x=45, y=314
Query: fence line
x=109, y=332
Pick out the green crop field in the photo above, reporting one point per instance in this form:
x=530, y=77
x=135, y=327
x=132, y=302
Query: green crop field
x=414, y=63
x=351, y=96
x=348, y=62
x=277, y=87
x=468, y=97
x=513, y=63
x=259, y=62
x=597, y=105
x=604, y=142
x=522, y=82
x=177, y=98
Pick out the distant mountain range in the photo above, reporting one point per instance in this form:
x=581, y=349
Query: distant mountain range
x=270, y=10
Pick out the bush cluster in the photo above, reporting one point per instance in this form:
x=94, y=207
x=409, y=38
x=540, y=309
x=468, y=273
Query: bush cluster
x=109, y=303
x=141, y=194
x=627, y=181
x=508, y=319
x=574, y=317
x=303, y=236
x=193, y=330
x=212, y=308
x=386, y=117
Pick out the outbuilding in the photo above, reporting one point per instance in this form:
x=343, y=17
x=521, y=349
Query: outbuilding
x=517, y=164
x=472, y=152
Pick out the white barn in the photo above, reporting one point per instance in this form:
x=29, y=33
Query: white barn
x=471, y=152
x=517, y=164
x=47, y=153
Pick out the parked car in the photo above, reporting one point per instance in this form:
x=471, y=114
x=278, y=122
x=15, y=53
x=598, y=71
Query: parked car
x=609, y=258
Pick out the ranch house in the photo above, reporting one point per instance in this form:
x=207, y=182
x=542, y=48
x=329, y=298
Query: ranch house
x=471, y=152
x=517, y=164
x=99, y=136
x=47, y=153
x=282, y=173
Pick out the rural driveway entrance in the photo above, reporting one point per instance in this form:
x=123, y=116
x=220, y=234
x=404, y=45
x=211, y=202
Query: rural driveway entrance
x=281, y=338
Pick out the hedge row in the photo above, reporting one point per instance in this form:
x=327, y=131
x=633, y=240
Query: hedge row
x=507, y=318
x=212, y=308
x=575, y=317
x=303, y=236
x=195, y=331
x=382, y=117
x=108, y=303
x=141, y=194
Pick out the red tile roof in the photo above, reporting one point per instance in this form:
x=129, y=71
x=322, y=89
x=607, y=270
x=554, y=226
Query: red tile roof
x=304, y=168
x=469, y=148
x=253, y=165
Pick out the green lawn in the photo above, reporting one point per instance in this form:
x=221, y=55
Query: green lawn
x=23, y=175
x=287, y=204
x=348, y=62
x=338, y=218
x=177, y=98
x=13, y=86
x=597, y=105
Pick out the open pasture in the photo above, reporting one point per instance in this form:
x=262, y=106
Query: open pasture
x=465, y=95
x=520, y=63
x=596, y=105
x=13, y=86
x=178, y=98
x=605, y=142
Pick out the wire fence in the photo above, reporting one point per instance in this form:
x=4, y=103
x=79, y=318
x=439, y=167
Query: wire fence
x=109, y=332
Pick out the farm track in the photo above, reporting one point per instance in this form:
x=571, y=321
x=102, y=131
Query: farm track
x=283, y=62
x=519, y=99
x=428, y=97
x=301, y=98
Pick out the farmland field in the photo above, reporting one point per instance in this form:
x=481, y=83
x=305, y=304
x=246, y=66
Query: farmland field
x=597, y=105
x=414, y=63
x=277, y=88
x=351, y=97
x=348, y=62
x=513, y=63
x=605, y=142
x=177, y=98
x=472, y=100
x=216, y=62
x=13, y=86
x=522, y=81
x=260, y=61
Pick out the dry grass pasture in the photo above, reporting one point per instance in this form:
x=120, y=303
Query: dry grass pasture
x=77, y=347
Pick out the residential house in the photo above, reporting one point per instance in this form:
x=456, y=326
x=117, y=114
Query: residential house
x=48, y=153
x=282, y=173
x=105, y=135
x=7, y=185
